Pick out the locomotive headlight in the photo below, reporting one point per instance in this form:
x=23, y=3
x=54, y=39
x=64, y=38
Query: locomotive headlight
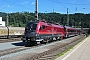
x=37, y=35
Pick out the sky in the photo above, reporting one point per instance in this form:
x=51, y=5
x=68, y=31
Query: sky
x=45, y=6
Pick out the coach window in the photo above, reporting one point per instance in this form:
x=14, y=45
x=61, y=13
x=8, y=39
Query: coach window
x=42, y=27
x=69, y=30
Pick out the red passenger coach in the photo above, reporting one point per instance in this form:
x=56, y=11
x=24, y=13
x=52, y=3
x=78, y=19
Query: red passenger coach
x=71, y=31
x=42, y=31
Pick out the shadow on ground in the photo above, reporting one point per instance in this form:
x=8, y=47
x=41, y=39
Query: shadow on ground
x=19, y=44
x=24, y=44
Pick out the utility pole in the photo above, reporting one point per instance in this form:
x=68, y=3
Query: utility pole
x=7, y=27
x=7, y=20
x=67, y=18
x=36, y=10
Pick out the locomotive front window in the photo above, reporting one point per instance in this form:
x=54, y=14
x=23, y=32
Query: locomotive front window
x=31, y=26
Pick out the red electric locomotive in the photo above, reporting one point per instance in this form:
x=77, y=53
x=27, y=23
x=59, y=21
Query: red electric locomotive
x=42, y=31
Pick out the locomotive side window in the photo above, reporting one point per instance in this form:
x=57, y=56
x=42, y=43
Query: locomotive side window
x=71, y=31
x=42, y=27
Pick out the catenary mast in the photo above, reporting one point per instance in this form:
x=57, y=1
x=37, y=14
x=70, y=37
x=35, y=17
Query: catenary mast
x=36, y=10
x=67, y=18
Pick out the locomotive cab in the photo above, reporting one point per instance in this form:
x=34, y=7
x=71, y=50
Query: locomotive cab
x=30, y=32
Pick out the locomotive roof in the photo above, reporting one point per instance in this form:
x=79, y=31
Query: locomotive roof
x=36, y=21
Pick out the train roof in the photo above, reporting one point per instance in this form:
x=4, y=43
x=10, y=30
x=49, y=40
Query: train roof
x=70, y=27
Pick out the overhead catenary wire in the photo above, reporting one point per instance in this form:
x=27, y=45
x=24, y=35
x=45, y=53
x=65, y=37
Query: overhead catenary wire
x=71, y=3
x=65, y=7
x=74, y=5
x=14, y=3
x=58, y=3
x=63, y=4
x=9, y=4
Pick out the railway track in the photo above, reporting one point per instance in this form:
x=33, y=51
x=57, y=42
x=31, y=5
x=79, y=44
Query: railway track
x=48, y=54
x=3, y=40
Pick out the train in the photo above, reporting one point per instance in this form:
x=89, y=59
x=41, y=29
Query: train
x=42, y=31
x=6, y=32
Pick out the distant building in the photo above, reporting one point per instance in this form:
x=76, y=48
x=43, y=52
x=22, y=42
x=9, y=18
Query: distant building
x=2, y=23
